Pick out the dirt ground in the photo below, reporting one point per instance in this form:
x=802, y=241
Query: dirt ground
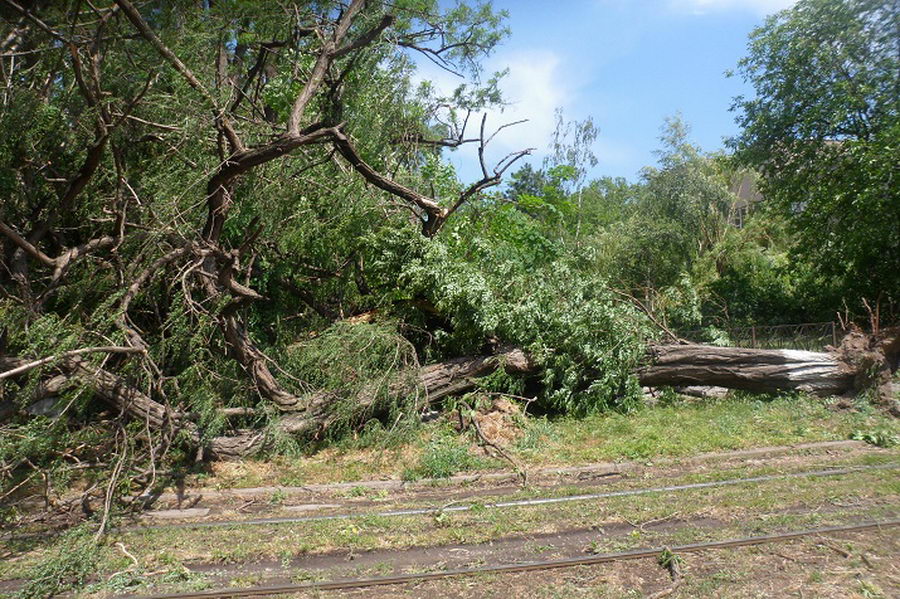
x=842, y=566
x=860, y=564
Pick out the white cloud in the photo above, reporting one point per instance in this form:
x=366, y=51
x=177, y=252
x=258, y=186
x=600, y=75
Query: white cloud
x=533, y=89
x=761, y=7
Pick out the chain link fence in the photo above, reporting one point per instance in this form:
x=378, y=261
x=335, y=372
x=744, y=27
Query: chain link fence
x=811, y=336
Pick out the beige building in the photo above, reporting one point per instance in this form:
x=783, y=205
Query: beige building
x=746, y=193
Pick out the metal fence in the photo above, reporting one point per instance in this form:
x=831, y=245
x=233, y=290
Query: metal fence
x=812, y=336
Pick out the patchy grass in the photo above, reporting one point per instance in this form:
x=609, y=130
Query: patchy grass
x=804, y=567
x=692, y=427
x=678, y=429
x=740, y=510
x=237, y=544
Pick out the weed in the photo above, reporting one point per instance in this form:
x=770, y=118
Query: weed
x=246, y=580
x=668, y=396
x=278, y=497
x=537, y=432
x=66, y=567
x=443, y=458
x=285, y=556
x=477, y=507
x=669, y=560
x=121, y=582
x=595, y=547
x=186, y=579
x=301, y=576
x=879, y=438
x=358, y=491
x=442, y=519
x=870, y=590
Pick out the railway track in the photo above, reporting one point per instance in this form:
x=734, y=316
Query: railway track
x=513, y=503
x=355, y=583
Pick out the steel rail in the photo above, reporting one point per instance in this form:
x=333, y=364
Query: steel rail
x=508, y=504
x=343, y=584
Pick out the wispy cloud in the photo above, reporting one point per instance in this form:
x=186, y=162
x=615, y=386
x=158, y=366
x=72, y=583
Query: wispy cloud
x=762, y=7
x=532, y=90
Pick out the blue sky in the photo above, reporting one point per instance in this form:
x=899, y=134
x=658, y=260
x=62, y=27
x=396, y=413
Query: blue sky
x=626, y=63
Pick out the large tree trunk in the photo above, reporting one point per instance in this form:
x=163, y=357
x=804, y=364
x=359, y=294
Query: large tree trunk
x=459, y=375
x=129, y=400
x=760, y=370
x=861, y=361
x=436, y=381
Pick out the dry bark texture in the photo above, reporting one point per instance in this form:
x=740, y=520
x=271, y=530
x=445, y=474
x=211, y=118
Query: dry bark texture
x=760, y=370
x=861, y=361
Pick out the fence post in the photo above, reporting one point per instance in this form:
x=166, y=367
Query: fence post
x=753, y=337
x=833, y=334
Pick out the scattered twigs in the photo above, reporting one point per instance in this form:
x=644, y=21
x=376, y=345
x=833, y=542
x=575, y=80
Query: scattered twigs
x=128, y=554
x=823, y=542
x=111, y=484
x=874, y=315
x=109, y=349
x=521, y=472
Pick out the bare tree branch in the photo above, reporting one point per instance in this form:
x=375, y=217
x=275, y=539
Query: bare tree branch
x=366, y=38
x=109, y=349
x=27, y=247
x=323, y=62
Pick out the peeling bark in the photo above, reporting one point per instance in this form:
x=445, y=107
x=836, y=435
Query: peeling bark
x=759, y=370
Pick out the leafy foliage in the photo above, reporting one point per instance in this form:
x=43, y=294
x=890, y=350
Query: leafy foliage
x=501, y=277
x=73, y=560
x=823, y=130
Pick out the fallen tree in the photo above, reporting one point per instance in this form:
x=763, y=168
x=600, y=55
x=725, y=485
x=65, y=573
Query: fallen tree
x=860, y=362
x=760, y=370
x=190, y=191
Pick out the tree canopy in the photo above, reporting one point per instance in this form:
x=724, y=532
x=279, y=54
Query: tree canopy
x=823, y=129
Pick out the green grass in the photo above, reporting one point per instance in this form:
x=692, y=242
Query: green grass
x=692, y=427
x=478, y=526
x=444, y=457
x=679, y=429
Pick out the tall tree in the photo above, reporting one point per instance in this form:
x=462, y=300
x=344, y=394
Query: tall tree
x=823, y=129
x=571, y=147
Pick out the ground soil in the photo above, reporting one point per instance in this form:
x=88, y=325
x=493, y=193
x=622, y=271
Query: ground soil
x=863, y=564
x=236, y=504
x=842, y=566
